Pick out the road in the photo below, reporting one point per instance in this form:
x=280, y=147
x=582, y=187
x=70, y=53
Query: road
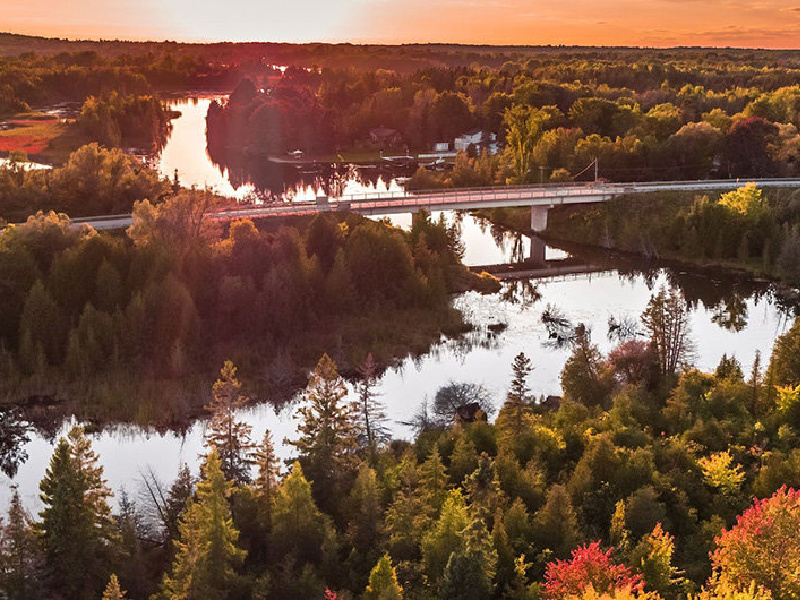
x=387, y=203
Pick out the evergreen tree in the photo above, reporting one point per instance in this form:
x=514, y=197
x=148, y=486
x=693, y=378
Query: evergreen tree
x=366, y=523
x=19, y=555
x=328, y=439
x=520, y=589
x=519, y=392
x=76, y=529
x=40, y=330
x=555, y=525
x=445, y=538
x=206, y=553
x=515, y=421
x=409, y=515
x=132, y=570
x=433, y=479
x=113, y=591
x=483, y=488
x=470, y=571
x=298, y=526
x=667, y=321
x=266, y=482
x=652, y=558
x=180, y=492
x=230, y=437
x=464, y=459
x=383, y=582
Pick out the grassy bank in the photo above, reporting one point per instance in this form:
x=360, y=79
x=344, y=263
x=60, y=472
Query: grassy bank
x=42, y=137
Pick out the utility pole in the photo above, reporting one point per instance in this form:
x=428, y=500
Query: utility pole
x=541, y=173
x=596, y=167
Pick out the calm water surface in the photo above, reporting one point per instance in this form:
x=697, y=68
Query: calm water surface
x=617, y=290
x=186, y=151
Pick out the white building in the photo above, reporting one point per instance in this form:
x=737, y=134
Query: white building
x=479, y=139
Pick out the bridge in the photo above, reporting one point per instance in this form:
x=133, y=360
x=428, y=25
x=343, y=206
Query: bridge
x=540, y=198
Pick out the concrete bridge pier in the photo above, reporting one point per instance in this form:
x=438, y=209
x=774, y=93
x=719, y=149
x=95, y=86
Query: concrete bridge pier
x=539, y=218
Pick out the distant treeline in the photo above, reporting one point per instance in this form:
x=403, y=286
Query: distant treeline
x=652, y=119
x=117, y=120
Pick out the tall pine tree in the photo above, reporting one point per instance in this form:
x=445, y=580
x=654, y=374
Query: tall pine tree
x=207, y=551
x=19, y=555
x=229, y=436
x=328, y=435
x=76, y=529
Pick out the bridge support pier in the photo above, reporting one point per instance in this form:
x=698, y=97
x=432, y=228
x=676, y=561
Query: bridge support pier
x=539, y=218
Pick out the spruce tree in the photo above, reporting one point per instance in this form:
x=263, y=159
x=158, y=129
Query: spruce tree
x=383, y=582
x=132, y=569
x=445, y=538
x=230, y=437
x=520, y=391
x=366, y=523
x=555, y=525
x=76, y=528
x=470, y=570
x=434, y=481
x=113, y=591
x=298, y=526
x=409, y=516
x=19, y=554
x=515, y=421
x=328, y=434
x=266, y=481
x=207, y=551
x=40, y=330
x=464, y=459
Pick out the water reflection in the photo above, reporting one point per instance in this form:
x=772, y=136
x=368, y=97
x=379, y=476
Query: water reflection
x=258, y=179
x=13, y=439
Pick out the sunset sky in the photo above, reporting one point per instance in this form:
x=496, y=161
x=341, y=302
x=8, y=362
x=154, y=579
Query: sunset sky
x=761, y=23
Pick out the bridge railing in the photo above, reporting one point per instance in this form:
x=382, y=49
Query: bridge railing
x=429, y=196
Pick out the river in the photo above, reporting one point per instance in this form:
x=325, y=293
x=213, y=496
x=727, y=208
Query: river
x=728, y=315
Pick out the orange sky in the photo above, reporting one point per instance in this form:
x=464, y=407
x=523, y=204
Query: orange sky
x=761, y=23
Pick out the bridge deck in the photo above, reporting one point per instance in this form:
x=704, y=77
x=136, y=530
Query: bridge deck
x=461, y=199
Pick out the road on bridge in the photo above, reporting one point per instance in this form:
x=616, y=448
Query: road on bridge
x=541, y=197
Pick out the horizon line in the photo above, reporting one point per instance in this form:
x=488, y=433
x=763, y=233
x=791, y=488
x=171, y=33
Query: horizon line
x=364, y=42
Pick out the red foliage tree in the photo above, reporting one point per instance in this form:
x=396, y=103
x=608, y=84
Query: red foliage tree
x=632, y=361
x=763, y=547
x=589, y=566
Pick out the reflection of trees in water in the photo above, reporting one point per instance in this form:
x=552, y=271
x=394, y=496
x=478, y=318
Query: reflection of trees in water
x=561, y=333
x=731, y=314
x=724, y=293
x=14, y=431
x=272, y=178
x=524, y=292
x=623, y=328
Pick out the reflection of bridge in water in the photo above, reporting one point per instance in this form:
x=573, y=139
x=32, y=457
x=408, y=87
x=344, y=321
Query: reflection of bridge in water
x=538, y=266
x=540, y=199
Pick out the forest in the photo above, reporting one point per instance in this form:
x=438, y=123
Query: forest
x=90, y=318
x=648, y=479
x=691, y=119
x=639, y=484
